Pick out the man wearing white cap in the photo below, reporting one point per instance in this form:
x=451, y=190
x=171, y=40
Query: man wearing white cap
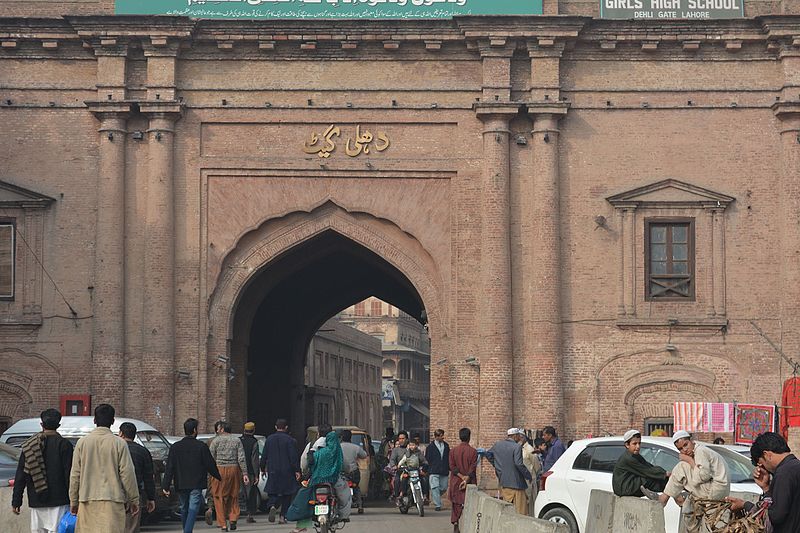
x=506, y=457
x=632, y=471
x=701, y=472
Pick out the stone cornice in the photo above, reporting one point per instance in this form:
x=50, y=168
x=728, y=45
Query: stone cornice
x=786, y=110
x=165, y=109
x=556, y=109
x=544, y=36
x=493, y=110
x=521, y=27
x=106, y=108
x=131, y=26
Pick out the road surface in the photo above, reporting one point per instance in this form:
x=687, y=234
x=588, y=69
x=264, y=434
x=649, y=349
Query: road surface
x=383, y=519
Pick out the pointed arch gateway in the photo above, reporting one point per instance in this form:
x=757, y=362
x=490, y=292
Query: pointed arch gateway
x=281, y=282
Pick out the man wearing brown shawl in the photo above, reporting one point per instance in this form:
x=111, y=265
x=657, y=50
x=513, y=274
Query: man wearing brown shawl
x=463, y=464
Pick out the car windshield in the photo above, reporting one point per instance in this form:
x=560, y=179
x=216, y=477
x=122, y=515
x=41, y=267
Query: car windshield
x=155, y=443
x=740, y=468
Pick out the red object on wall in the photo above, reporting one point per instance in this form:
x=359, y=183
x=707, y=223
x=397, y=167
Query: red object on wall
x=790, y=406
x=75, y=404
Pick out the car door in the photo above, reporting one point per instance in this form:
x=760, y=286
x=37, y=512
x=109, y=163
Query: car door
x=666, y=459
x=583, y=478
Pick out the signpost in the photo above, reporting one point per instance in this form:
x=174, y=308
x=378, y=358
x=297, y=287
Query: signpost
x=671, y=9
x=327, y=9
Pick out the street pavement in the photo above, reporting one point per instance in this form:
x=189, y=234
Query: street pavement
x=383, y=519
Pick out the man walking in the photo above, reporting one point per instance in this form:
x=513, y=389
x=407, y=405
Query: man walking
x=351, y=453
x=463, y=467
x=102, y=485
x=43, y=471
x=506, y=457
x=438, y=456
x=251, y=457
x=228, y=453
x=555, y=448
x=143, y=466
x=772, y=455
x=701, y=472
x=189, y=464
x=282, y=465
x=212, y=481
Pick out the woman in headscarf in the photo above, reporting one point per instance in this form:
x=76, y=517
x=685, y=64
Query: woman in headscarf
x=325, y=468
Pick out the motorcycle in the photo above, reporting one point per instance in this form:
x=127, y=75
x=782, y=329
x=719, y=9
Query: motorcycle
x=358, y=501
x=412, y=497
x=326, y=510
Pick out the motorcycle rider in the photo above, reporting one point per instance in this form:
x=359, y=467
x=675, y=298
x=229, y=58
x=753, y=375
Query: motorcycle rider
x=351, y=454
x=397, y=453
x=413, y=459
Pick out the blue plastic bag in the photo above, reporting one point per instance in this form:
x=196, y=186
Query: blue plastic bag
x=67, y=524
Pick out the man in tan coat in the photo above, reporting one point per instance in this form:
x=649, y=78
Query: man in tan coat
x=102, y=485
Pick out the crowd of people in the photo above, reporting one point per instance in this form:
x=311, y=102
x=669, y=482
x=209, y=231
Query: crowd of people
x=107, y=479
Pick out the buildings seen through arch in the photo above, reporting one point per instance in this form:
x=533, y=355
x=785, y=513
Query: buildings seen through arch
x=369, y=366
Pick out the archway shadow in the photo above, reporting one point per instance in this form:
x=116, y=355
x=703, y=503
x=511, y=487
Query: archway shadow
x=281, y=309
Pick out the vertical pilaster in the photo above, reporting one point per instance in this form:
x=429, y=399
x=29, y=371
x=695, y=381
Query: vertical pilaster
x=711, y=270
x=496, y=324
x=108, y=292
x=720, y=308
x=788, y=114
x=546, y=370
x=630, y=261
x=495, y=369
x=622, y=264
x=158, y=359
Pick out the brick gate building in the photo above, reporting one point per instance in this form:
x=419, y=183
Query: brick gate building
x=595, y=218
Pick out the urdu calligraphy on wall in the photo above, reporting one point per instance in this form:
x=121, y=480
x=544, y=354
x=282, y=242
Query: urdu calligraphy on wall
x=362, y=141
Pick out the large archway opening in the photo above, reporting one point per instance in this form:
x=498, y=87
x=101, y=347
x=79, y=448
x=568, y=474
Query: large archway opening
x=286, y=306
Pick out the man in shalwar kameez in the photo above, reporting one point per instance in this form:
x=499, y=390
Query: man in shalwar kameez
x=463, y=467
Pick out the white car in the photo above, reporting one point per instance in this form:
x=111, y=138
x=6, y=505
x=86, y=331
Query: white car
x=588, y=464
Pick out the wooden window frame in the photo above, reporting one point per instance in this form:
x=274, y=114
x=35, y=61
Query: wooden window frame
x=691, y=263
x=12, y=222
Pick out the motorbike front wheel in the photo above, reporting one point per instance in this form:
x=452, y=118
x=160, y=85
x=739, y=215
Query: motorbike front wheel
x=419, y=501
x=323, y=526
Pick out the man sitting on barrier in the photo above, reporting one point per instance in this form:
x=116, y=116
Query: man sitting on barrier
x=701, y=472
x=632, y=471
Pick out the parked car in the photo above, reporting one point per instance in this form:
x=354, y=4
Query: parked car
x=9, y=458
x=74, y=427
x=588, y=464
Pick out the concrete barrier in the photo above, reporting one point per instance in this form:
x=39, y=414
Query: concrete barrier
x=482, y=513
x=600, y=515
x=470, y=511
x=638, y=515
x=9, y=522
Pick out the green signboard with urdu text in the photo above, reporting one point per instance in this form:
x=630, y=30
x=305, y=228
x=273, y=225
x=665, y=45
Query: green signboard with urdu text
x=327, y=9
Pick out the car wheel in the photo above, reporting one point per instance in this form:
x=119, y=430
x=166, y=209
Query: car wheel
x=561, y=515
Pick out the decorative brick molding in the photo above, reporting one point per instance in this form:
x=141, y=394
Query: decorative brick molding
x=672, y=197
x=243, y=264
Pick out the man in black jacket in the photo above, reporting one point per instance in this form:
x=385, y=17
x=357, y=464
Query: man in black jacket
x=143, y=465
x=190, y=463
x=438, y=456
x=251, y=457
x=772, y=455
x=43, y=470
